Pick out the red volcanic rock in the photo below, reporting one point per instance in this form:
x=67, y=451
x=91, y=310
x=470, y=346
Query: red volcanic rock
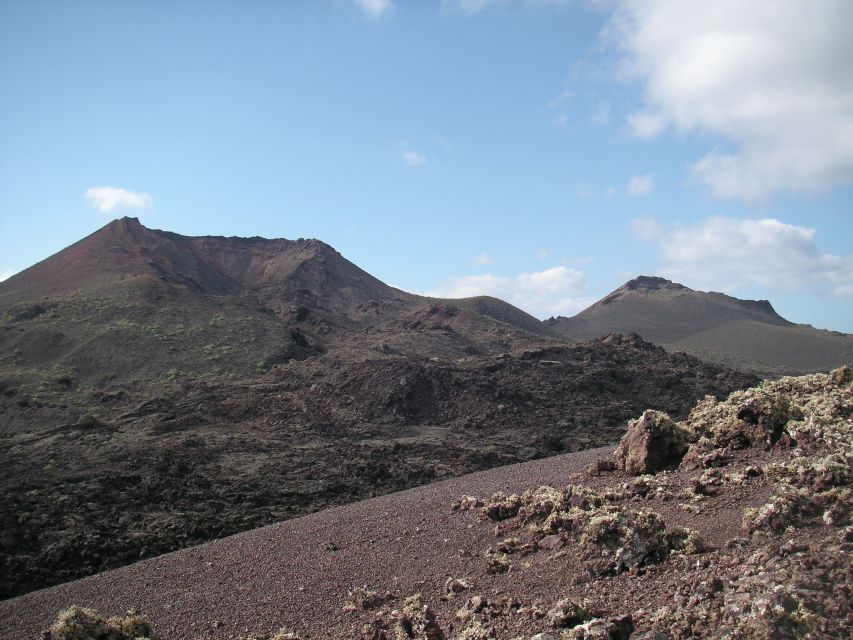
x=652, y=443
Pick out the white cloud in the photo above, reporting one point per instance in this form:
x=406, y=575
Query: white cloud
x=774, y=78
x=483, y=259
x=441, y=140
x=646, y=125
x=5, y=275
x=610, y=193
x=413, y=158
x=469, y=6
x=639, y=186
x=583, y=190
x=561, y=120
x=729, y=254
x=553, y=291
x=476, y=6
x=647, y=229
x=561, y=100
x=601, y=113
x=108, y=199
x=373, y=8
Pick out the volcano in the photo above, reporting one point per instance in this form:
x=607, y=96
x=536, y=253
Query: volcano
x=132, y=303
x=746, y=334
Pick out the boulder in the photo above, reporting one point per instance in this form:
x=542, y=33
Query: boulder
x=652, y=443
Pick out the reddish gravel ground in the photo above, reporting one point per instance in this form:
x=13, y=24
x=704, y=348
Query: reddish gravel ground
x=284, y=575
x=297, y=573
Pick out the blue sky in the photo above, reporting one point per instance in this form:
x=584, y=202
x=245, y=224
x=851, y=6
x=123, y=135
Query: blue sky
x=538, y=150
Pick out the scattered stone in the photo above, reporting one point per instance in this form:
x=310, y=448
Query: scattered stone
x=499, y=564
x=601, y=629
x=551, y=543
x=502, y=507
x=475, y=630
x=417, y=621
x=601, y=466
x=473, y=606
x=454, y=586
x=362, y=599
x=567, y=613
x=466, y=503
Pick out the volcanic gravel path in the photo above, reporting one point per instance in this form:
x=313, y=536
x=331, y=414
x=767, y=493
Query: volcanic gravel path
x=297, y=573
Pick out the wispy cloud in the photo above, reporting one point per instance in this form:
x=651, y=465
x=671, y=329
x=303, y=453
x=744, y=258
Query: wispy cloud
x=544, y=293
x=601, y=113
x=109, y=199
x=5, y=275
x=561, y=100
x=772, y=77
x=413, y=158
x=373, y=8
x=441, y=141
x=583, y=190
x=729, y=254
x=639, y=186
x=646, y=125
x=476, y=6
x=483, y=259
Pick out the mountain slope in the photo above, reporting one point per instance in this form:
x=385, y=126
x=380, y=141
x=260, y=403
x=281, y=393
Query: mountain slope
x=129, y=303
x=158, y=391
x=747, y=334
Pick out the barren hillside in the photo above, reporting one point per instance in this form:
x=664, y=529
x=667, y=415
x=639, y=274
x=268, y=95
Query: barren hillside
x=745, y=334
x=169, y=390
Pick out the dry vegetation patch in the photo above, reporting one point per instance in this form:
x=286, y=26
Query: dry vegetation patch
x=78, y=623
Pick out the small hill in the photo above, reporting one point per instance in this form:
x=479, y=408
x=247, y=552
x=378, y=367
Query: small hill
x=746, y=334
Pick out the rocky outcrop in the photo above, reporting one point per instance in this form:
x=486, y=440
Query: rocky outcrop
x=652, y=443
